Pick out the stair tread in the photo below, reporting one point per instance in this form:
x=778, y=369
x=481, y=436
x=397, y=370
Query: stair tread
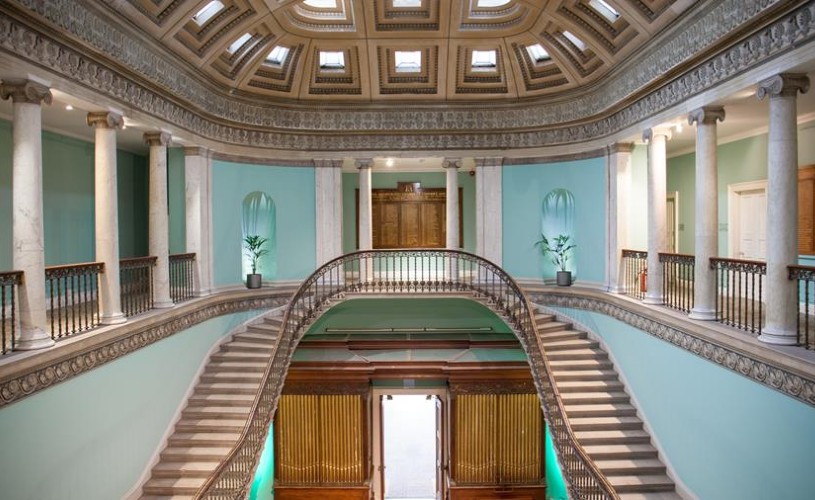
x=220, y=436
x=589, y=385
x=245, y=344
x=190, y=424
x=577, y=342
x=191, y=451
x=650, y=495
x=222, y=396
x=618, y=449
x=629, y=463
x=612, y=433
x=641, y=480
x=605, y=420
x=226, y=386
x=186, y=466
x=233, y=410
x=253, y=336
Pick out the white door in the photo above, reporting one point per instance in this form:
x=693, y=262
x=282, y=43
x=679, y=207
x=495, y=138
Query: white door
x=752, y=225
x=672, y=222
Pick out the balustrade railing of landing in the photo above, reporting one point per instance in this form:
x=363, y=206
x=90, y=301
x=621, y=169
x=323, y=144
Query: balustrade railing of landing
x=805, y=277
x=72, y=292
x=677, y=280
x=635, y=273
x=740, y=293
x=136, y=284
x=396, y=272
x=182, y=286
x=9, y=281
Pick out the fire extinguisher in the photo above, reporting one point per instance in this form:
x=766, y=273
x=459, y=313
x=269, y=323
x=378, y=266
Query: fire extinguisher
x=643, y=280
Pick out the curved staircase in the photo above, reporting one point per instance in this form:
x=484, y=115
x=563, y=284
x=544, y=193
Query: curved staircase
x=215, y=414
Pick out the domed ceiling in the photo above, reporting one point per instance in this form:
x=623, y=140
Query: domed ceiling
x=381, y=50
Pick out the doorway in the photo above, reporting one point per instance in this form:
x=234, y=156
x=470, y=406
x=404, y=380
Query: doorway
x=747, y=220
x=408, y=428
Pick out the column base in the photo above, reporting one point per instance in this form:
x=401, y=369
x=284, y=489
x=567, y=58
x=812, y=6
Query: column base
x=164, y=304
x=655, y=300
x=703, y=314
x=616, y=289
x=113, y=319
x=35, y=338
x=778, y=337
x=202, y=293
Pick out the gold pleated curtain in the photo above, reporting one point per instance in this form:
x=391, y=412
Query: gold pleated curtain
x=319, y=440
x=497, y=439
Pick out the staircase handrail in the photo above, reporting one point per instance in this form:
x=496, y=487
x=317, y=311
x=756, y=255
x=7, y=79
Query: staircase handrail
x=356, y=272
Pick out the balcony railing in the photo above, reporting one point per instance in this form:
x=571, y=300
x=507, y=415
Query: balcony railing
x=740, y=288
x=73, y=295
x=9, y=281
x=677, y=280
x=635, y=273
x=136, y=284
x=805, y=276
x=182, y=286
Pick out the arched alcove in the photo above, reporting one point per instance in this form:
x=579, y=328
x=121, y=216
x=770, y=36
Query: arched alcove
x=259, y=217
x=557, y=218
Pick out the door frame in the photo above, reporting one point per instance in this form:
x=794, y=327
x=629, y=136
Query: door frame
x=674, y=215
x=377, y=486
x=734, y=191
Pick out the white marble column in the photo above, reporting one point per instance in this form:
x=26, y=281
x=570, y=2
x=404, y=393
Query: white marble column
x=488, y=208
x=364, y=166
x=197, y=192
x=159, y=238
x=28, y=242
x=451, y=167
x=328, y=187
x=657, y=237
x=618, y=172
x=782, y=206
x=707, y=211
x=107, y=215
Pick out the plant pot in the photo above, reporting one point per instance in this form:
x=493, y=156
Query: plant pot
x=253, y=281
x=564, y=278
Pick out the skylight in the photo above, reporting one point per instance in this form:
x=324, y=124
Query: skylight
x=604, y=9
x=537, y=53
x=406, y=4
x=278, y=55
x=408, y=61
x=484, y=60
x=240, y=42
x=321, y=4
x=576, y=41
x=492, y=3
x=332, y=60
x=208, y=12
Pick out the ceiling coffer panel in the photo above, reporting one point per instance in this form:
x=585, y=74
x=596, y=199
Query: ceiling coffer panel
x=240, y=54
x=605, y=32
x=499, y=18
x=404, y=79
x=337, y=80
x=157, y=11
x=389, y=16
x=304, y=18
x=278, y=78
x=539, y=76
x=223, y=27
x=572, y=51
x=481, y=69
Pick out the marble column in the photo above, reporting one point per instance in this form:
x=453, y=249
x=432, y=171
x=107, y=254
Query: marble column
x=328, y=187
x=452, y=166
x=782, y=206
x=28, y=242
x=107, y=214
x=159, y=237
x=197, y=190
x=488, y=208
x=657, y=237
x=707, y=211
x=364, y=166
x=618, y=172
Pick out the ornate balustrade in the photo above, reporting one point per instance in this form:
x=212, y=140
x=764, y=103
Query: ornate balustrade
x=72, y=292
x=136, y=284
x=635, y=273
x=805, y=276
x=9, y=281
x=740, y=285
x=182, y=286
x=677, y=280
x=405, y=272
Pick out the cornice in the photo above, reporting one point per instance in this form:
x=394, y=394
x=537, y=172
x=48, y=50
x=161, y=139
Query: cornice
x=591, y=114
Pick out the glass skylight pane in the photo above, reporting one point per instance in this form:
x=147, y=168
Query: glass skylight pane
x=321, y=4
x=484, y=60
x=537, y=53
x=492, y=3
x=408, y=61
x=277, y=55
x=332, y=60
x=240, y=42
x=208, y=12
x=578, y=42
x=402, y=4
x=605, y=10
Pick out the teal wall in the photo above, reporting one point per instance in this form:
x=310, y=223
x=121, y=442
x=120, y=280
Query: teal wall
x=92, y=436
x=726, y=436
x=176, y=200
x=68, y=201
x=292, y=189
x=389, y=180
x=524, y=188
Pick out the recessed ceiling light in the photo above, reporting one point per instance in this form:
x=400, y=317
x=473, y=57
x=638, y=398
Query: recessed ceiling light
x=389, y=162
x=69, y=107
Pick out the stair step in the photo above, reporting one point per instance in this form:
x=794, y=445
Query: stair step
x=575, y=398
x=576, y=354
x=553, y=326
x=541, y=317
x=268, y=332
x=261, y=337
x=228, y=412
x=166, y=497
x=579, y=364
x=604, y=423
x=221, y=399
x=620, y=451
x=227, y=388
x=641, y=483
x=217, y=439
x=569, y=386
x=210, y=424
x=237, y=365
x=569, y=344
x=600, y=410
x=631, y=467
x=170, y=486
x=661, y=495
x=566, y=375
x=612, y=436
x=231, y=376
x=204, y=453
x=246, y=346
x=561, y=335
x=185, y=468
x=227, y=355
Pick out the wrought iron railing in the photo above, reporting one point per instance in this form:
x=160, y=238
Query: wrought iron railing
x=740, y=286
x=405, y=271
x=182, y=286
x=677, y=280
x=805, y=276
x=635, y=273
x=73, y=294
x=136, y=284
x=9, y=281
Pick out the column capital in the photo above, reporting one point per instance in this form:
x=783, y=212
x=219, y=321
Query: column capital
x=25, y=91
x=783, y=85
x=707, y=115
x=157, y=138
x=363, y=163
x=105, y=119
x=494, y=161
x=652, y=132
x=327, y=162
x=451, y=163
x=621, y=147
x=197, y=151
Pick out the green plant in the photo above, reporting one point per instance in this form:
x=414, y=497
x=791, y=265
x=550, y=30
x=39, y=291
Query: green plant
x=556, y=248
x=254, y=249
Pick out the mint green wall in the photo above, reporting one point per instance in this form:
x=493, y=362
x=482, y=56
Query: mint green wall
x=176, y=200
x=92, y=436
x=638, y=200
x=389, y=180
x=68, y=200
x=682, y=178
x=524, y=188
x=292, y=189
x=726, y=436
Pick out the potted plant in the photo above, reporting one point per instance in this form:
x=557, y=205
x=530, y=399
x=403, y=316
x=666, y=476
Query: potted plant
x=253, y=244
x=557, y=250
